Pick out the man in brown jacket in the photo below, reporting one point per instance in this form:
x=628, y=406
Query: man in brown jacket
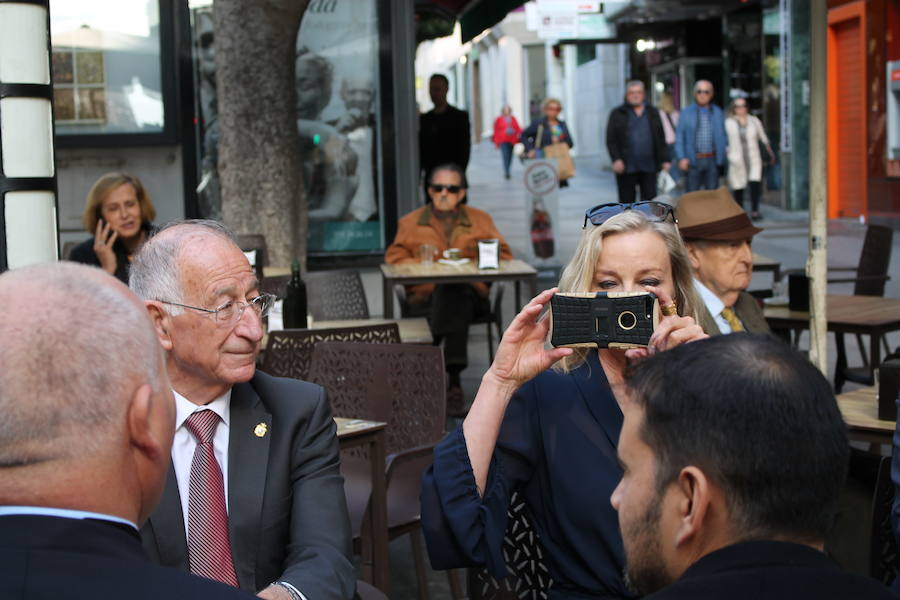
x=447, y=223
x=718, y=234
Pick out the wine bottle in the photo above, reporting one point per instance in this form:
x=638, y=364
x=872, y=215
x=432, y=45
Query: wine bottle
x=294, y=308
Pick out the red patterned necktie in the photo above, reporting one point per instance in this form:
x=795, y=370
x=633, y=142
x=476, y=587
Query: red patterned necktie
x=209, y=550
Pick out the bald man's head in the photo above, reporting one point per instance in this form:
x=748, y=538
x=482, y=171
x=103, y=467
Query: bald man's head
x=76, y=345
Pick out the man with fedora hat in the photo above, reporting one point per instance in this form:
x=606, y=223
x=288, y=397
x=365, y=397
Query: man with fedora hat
x=718, y=234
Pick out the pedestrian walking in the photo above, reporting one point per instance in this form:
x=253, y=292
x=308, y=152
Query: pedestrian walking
x=549, y=136
x=637, y=145
x=506, y=135
x=745, y=136
x=668, y=114
x=700, y=140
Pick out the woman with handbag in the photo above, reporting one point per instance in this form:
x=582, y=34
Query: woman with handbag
x=549, y=137
x=506, y=135
x=745, y=136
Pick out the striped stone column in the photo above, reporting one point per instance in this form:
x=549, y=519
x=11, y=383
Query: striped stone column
x=28, y=205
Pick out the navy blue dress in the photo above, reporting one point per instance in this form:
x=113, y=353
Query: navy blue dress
x=557, y=444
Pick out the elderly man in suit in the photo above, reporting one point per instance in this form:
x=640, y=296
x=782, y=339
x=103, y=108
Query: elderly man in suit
x=86, y=428
x=708, y=508
x=255, y=497
x=718, y=235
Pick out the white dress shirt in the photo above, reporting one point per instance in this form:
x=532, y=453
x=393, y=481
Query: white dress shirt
x=714, y=305
x=185, y=443
x=65, y=513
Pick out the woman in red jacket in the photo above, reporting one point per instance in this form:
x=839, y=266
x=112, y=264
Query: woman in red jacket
x=506, y=134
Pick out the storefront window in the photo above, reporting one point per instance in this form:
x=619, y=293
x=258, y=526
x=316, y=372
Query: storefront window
x=336, y=78
x=106, y=67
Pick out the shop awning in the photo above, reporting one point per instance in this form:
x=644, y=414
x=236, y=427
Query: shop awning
x=474, y=15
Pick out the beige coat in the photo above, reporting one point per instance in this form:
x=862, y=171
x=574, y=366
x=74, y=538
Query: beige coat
x=738, y=172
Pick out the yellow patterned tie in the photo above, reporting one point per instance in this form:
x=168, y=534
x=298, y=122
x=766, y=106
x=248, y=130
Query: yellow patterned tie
x=728, y=314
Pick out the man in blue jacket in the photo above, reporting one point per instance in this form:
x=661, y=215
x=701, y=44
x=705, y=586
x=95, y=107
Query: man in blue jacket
x=700, y=139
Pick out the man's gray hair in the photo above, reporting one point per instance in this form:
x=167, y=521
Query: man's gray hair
x=74, y=347
x=155, y=272
x=635, y=83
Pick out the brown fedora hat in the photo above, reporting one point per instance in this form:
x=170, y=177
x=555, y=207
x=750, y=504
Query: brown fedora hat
x=713, y=215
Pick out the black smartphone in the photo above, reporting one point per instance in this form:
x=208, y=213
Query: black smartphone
x=619, y=320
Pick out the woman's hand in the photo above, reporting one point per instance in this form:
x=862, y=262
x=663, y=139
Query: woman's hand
x=104, y=238
x=521, y=354
x=672, y=330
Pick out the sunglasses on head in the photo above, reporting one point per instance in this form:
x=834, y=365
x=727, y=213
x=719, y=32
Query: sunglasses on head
x=656, y=212
x=437, y=188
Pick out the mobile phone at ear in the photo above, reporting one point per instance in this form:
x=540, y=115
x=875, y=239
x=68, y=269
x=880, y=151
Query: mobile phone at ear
x=620, y=320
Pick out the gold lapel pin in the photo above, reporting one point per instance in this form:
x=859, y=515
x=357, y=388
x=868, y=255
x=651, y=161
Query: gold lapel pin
x=260, y=430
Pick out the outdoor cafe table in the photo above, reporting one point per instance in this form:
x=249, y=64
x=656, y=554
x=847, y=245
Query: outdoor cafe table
x=860, y=411
x=869, y=315
x=358, y=432
x=413, y=273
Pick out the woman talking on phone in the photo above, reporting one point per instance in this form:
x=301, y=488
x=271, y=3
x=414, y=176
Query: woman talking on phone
x=551, y=434
x=119, y=213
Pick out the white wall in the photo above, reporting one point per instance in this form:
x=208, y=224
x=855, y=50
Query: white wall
x=158, y=168
x=599, y=89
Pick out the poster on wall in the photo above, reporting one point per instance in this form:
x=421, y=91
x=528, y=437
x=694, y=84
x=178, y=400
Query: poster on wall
x=336, y=77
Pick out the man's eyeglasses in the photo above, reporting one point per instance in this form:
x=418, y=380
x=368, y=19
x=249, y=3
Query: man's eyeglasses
x=437, y=188
x=703, y=91
x=231, y=312
x=656, y=212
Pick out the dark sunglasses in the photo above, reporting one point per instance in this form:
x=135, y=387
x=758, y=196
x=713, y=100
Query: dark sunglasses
x=437, y=188
x=656, y=212
x=703, y=91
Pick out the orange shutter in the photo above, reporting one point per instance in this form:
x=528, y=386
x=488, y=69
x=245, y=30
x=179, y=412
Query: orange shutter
x=847, y=123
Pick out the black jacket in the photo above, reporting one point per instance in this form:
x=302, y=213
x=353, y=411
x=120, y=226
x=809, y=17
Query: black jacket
x=529, y=136
x=770, y=571
x=444, y=138
x=617, y=134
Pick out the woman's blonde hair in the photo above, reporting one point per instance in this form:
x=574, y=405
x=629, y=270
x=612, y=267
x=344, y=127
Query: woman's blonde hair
x=666, y=103
x=578, y=276
x=548, y=101
x=101, y=189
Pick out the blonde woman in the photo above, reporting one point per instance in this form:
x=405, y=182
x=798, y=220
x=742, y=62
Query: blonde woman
x=745, y=134
x=547, y=130
x=551, y=434
x=119, y=213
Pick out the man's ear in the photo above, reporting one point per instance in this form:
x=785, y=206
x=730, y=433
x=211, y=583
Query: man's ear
x=692, y=500
x=162, y=323
x=141, y=431
x=693, y=256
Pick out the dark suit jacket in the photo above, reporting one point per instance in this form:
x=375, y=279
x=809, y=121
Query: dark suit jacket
x=770, y=571
x=746, y=308
x=444, y=138
x=617, y=134
x=55, y=558
x=287, y=512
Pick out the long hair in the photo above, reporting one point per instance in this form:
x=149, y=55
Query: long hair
x=578, y=276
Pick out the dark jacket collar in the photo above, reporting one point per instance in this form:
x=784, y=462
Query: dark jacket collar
x=460, y=220
x=756, y=554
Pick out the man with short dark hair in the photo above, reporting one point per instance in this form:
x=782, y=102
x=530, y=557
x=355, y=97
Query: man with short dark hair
x=734, y=453
x=85, y=434
x=700, y=139
x=255, y=497
x=637, y=144
x=444, y=135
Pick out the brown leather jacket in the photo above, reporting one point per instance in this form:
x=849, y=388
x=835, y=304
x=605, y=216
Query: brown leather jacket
x=421, y=227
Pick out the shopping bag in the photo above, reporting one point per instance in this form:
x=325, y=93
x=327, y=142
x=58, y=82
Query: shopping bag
x=565, y=166
x=664, y=183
